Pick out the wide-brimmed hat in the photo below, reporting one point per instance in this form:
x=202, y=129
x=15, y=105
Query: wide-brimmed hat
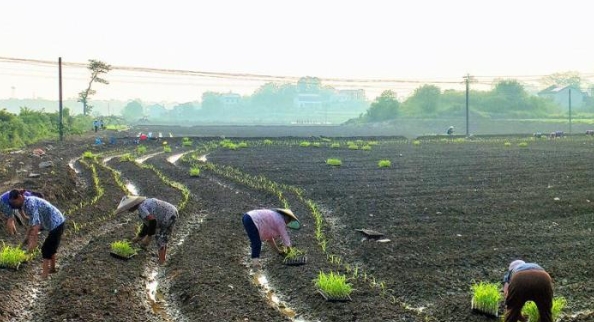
x=294, y=223
x=513, y=265
x=128, y=202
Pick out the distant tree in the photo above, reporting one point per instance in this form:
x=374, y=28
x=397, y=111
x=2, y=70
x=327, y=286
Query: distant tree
x=97, y=68
x=425, y=100
x=309, y=84
x=185, y=111
x=133, y=111
x=384, y=107
x=569, y=78
x=211, y=103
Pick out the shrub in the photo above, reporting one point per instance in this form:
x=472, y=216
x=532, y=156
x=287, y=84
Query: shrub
x=523, y=144
x=372, y=143
x=333, y=284
x=353, y=147
x=507, y=144
x=12, y=257
x=186, y=142
x=88, y=155
x=416, y=142
x=242, y=145
x=267, y=142
x=334, y=162
x=531, y=310
x=123, y=248
x=335, y=145
x=141, y=149
x=366, y=148
x=486, y=297
x=384, y=164
x=316, y=144
x=305, y=144
x=194, y=172
x=166, y=149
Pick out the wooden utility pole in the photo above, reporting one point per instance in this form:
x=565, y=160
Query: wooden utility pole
x=60, y=121
x=570, y=111
x=467, y=80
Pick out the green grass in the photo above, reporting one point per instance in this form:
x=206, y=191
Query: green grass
x=115, y=127
x=126, y=158
x=353, y=146
x=141, y=149
x=123, y=248
x=531, y=310
x=333, y=284
x=384, y=163
x=194, y=172
x=186, y=142
x=335, y=145
x=305, y=144
x=166, y=149
x=366, y=148
x=12, y=257
x=334, y=162
x=507, y=144
x=267, y=142
x=416, y=142
x=316, y=144
x=486, y=297
x=242, y=145
x=523, y=144
x=88, y=155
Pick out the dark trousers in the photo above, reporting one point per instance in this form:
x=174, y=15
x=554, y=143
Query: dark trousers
x=531, y=285
x=52, y=242
x=253, y=234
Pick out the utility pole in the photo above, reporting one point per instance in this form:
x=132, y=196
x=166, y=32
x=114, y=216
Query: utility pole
x=61, y=126
x=570, y=111
x=467, y=80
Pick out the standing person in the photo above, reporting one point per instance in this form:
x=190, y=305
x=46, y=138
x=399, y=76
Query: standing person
x=42, y=216
x=12, y=213
x=154, y=214
x=268, y=224
x=450, y=131
x=96, y=125
x=101, y=124
x=527, y=282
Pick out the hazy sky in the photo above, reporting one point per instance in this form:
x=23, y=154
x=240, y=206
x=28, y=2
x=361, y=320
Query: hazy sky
x=415, y=39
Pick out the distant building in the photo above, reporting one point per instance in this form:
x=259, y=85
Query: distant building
x=307, y=100
x=560, y=95
x=349, y=95
x=230, y=99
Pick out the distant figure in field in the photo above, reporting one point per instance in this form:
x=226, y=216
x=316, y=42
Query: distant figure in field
x=450, y=131
x=42, y=216
x=527, y=282
x=101, y=124
x=266, y=225
x=154, y=214
x=96, y=125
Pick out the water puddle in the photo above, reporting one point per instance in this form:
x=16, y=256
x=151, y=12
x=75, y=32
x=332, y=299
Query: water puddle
x=146, y=157
x=259, y=278
x=155, y=297
x=132, y=188
x=72, y=165
x=173, y=159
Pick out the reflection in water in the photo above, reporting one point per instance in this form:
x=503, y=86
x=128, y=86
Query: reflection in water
x=261, y=280
x=172, y=159
x=72, y=163
x=146, y=157
x=132, y=188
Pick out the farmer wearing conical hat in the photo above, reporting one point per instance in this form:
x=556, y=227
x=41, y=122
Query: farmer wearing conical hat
x=154, y=214
x=266, y=225
x=527, y=282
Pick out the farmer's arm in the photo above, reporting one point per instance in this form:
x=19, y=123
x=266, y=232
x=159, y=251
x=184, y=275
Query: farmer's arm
x=10, y=225
x=272, y=244
x=32, y=233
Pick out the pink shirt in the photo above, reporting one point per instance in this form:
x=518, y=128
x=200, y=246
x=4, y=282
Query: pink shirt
x=270, y=225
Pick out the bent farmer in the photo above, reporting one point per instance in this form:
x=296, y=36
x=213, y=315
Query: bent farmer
x=527, y=282
x=13, y=213
x=154, y=214
x=268, y=224
x=42, y=216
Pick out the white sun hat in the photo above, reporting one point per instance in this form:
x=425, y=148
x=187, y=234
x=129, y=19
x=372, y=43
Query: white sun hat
x=128, y=202
x=294, y=223
x=513, y=265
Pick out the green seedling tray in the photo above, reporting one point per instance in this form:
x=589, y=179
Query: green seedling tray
x=477, y=310
x=302, y=260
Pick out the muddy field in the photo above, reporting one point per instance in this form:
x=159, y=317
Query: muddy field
x=454, y=212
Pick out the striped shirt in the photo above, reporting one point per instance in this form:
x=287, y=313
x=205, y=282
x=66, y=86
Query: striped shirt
x=270, y=225
x=163, y=212
x=42, y=213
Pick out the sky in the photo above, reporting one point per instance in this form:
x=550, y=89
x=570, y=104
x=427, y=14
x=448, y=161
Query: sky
x=416, y=40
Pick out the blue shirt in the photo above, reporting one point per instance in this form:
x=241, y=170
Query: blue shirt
x=5, y=206
x=42, y=213
x=522, y=267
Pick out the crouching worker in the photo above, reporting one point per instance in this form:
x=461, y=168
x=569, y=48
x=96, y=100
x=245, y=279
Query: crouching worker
x=42, y=216
x=268, y=224
x=527, y=282
x=154, y=214
x=15, y=214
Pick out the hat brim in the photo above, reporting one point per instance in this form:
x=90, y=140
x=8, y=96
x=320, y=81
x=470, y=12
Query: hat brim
x=136, y=200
